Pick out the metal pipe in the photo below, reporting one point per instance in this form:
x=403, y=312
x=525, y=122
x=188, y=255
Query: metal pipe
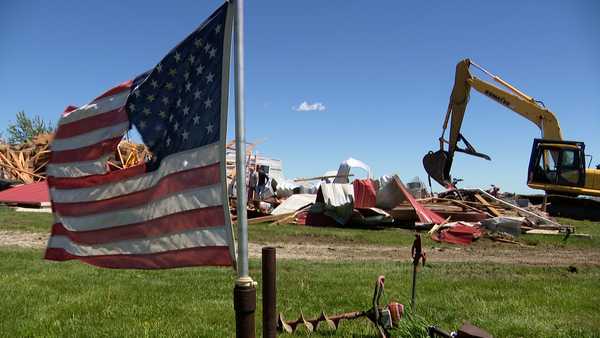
x=269, y=292
x=240, y=145
x=244, y=303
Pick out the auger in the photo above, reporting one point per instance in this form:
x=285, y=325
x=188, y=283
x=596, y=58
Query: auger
x=384, y=318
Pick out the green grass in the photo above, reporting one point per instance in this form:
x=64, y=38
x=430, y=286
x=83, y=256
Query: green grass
x=267, y=232
x=71, y=299
x=24, y=221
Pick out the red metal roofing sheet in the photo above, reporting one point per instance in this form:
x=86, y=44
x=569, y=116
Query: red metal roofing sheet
x=33, y=193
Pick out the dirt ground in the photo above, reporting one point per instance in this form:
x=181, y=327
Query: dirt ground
x=502, y=253
x=23, y=239
x=506, y=254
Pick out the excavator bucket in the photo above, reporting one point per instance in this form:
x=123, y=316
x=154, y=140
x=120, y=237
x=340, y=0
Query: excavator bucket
x=435, y=164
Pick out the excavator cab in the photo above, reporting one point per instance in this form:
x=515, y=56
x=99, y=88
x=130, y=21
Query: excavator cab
x=556, y=163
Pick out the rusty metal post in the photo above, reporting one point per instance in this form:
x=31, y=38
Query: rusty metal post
x=417, y=255
x=244, y=303
x=269, y=292
x=413, y=297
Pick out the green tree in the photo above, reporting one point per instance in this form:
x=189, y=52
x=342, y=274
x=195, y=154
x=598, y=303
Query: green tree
x=26, y=128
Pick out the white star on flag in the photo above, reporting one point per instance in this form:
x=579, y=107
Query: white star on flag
x=209, y=128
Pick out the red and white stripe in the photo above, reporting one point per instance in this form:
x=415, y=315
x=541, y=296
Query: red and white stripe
x=174, y=216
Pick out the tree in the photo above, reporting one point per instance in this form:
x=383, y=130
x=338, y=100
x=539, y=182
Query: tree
x=25, y=129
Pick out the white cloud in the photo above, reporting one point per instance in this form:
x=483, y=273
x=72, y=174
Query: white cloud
x=305, y=106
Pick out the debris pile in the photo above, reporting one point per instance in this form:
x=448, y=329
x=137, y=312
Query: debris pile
x=503, y=220
x=129, y=154
x=25, y=162
x=458, y=216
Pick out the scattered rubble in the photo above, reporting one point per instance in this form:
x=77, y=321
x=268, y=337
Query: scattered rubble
x=458, y=216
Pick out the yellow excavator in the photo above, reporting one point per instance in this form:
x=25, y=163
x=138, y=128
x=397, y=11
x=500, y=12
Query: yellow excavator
x=556, y=166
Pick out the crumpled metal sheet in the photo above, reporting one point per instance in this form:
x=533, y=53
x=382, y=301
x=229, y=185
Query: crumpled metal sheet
x=338, y=201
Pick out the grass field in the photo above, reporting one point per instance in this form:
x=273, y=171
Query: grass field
x=71, y=299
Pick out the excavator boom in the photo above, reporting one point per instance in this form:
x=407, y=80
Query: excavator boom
x=438, y=164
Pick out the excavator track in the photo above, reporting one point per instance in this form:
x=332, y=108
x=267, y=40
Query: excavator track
x=579, y=208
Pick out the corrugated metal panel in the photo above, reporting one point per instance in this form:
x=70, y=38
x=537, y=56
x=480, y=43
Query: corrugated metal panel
x=33, y=193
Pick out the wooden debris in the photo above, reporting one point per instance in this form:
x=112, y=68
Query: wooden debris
x=268, y=218
x=27, y=162
x=493, y=210
x=523, y=211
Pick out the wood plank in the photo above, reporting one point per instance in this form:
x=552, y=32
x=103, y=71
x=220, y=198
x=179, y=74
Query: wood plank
x=466, y=206
x=268, y=218
x=493, y=210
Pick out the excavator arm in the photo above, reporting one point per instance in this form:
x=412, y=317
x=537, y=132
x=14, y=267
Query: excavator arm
x=438, y=164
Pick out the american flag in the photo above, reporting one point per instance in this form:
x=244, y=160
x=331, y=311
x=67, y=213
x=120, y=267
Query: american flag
x=172, y=211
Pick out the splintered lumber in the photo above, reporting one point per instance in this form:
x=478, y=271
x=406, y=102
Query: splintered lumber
x=504, y=240
x=291, y=216
x=21, y=170
x=268, y=218
x=466, y=206
x=406, y=213
x=554, y=233
x=493, y=210
x=526, y=212
x=285, y=219
x=477, y=205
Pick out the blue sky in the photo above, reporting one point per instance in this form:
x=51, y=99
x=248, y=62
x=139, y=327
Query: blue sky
x=382, y=70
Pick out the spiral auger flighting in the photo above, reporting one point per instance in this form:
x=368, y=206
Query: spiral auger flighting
x=331, y=323
x=384, y=318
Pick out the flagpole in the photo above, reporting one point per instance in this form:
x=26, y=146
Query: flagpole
x=244, y=293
